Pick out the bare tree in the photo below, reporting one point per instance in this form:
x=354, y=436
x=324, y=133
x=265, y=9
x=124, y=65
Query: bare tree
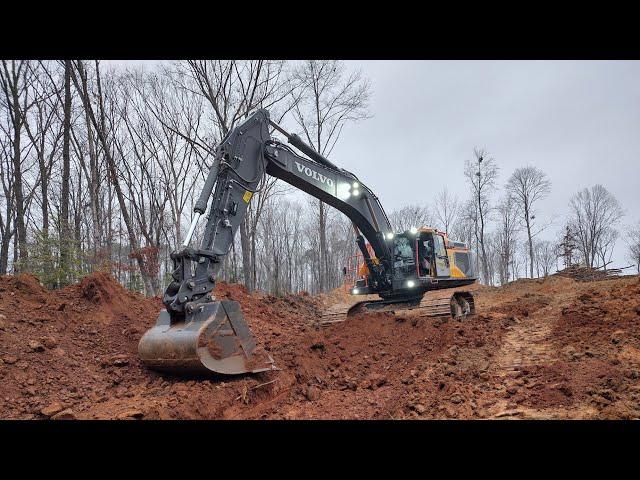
x=43, y=131
x=16, y=81
x=482, y=175
x=410, y=216
x=528, y=185
x=545, y=255
x=234, y=89
x=7, y=221
x=594, y=211
x=506, y=237
x=66, y=167
x=181, y=160
x=468, y=230
x=447, y=207
x=606, y=244
x=105, y=136
x=331, y=98
x=633, y=245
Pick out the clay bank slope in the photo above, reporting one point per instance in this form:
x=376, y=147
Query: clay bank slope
x=551, y=348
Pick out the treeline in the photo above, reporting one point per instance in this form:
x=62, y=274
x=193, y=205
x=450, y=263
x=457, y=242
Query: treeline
x=100, y=168
x=501, y=223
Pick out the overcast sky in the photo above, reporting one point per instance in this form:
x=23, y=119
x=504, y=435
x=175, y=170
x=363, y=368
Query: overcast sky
x=579, y=121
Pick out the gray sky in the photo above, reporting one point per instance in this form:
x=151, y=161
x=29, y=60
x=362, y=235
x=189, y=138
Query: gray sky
x=579, y=121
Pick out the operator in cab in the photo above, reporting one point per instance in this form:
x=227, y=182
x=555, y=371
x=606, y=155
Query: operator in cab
x=425, y=254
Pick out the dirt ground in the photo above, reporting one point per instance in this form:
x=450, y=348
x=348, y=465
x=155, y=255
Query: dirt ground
x=551, y=348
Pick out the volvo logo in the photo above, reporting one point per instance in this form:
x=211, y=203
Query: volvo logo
x=313, y=174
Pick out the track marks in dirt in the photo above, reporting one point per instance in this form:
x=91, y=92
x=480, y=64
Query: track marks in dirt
x=526, y=343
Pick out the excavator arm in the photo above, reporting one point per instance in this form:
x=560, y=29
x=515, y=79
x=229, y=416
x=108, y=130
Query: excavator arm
x=197, y=332
x=243, y=158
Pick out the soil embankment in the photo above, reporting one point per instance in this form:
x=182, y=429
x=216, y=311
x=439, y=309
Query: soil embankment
x=552, y=348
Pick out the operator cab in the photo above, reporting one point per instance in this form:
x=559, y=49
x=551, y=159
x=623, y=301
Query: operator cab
x=423, y=258
x=422, y=254
x=426, y=258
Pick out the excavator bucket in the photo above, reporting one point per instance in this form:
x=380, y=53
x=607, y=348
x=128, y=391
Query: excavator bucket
x=214, y=338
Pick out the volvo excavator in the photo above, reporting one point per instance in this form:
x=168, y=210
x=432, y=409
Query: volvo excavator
x=420, y=269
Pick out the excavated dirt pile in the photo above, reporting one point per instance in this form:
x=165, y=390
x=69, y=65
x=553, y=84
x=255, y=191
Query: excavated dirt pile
x=552, y=348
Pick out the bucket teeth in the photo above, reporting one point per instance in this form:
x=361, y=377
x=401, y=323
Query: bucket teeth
x=214, y=338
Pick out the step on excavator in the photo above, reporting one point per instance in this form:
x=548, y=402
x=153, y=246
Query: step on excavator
x=420, y=269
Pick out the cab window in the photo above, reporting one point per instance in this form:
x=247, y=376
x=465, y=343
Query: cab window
x=402, y=248
x=439, y=246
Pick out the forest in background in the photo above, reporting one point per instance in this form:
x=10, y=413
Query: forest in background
x=100, y=168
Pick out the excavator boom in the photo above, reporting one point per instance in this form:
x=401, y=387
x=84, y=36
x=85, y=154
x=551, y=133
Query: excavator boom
x=198, y=333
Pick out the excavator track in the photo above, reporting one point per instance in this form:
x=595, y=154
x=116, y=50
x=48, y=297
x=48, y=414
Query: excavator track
x=336, y=313
x=455, y=303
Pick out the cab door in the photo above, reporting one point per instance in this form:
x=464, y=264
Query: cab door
x=442, y=260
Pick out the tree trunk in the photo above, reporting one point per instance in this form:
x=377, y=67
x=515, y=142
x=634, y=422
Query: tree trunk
x=17, y=177
x=323, y=249
x=4, y=254
x=526, y=217
x=64, y=200
x=15, y=252
x=111, y=166
x=44, y=189
x=485, y=267
x=94, y=187
x=254, y=262
x=246, y=256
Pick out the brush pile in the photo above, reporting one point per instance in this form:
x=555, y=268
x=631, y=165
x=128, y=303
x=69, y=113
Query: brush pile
x=588, y=274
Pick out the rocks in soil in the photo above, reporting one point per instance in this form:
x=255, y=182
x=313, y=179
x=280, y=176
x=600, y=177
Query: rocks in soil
x=456, y=399
x=618, y=336
x=120, y=360
x=312, y=393
x=376, y=380
x=420, y=408
x=50, y=342
x=52, y=409
x=66, y=414
x=35, y=346
x=10, y=359
x=130, y=414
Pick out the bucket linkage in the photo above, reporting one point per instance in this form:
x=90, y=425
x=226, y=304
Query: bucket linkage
x=196, y=333
x=215, y=338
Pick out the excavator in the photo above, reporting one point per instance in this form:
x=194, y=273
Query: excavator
x=420, y=269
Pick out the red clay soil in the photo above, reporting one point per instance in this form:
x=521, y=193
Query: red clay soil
x=552, y=348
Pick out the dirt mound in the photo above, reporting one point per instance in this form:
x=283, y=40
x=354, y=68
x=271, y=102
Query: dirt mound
x=551, y=348
x=100, y=288
x=22, y=287
x=575, y=353
x=63, y=347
